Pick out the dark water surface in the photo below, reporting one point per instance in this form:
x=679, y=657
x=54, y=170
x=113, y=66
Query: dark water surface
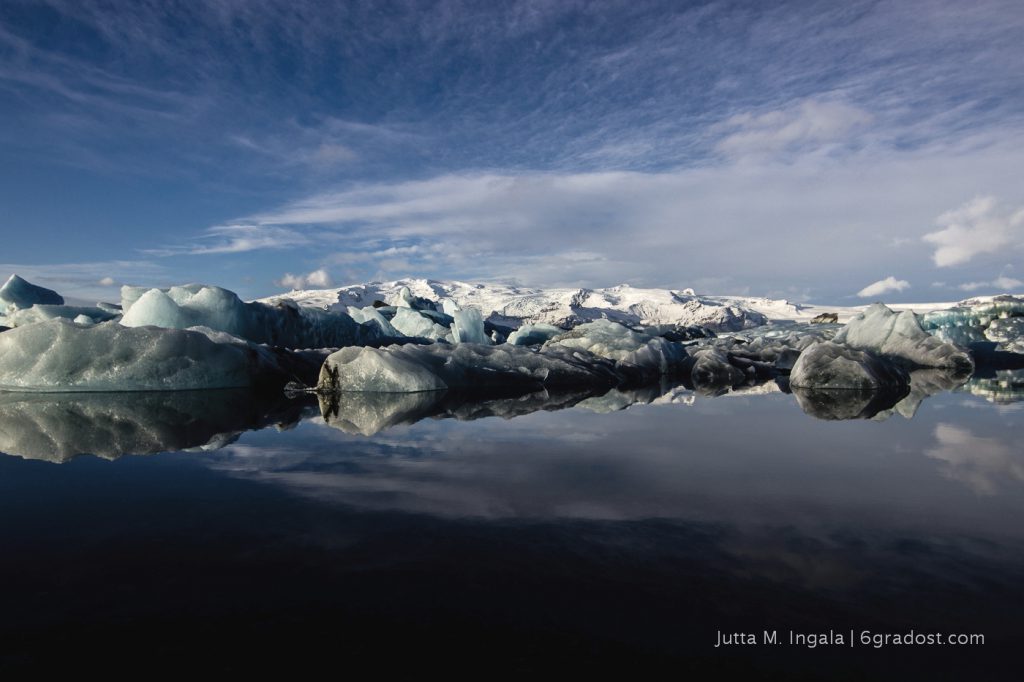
x=564, y=540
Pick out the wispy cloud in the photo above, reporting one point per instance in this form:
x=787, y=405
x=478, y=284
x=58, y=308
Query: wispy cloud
x=1002, y=283
x=802, y=127
x=222, y=239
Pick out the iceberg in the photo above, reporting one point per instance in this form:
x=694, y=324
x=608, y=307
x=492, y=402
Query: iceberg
x=370, y=315
x=468, y=326
x=59, y=355
x=829, y=365
x=18, y=294
x=412, y=323
x=712, y=369
x=412, y=368
x=45, y=311
x=1007, y=333
x=284, y=324
x=900, y=337
x=534, y=334
x=607, y=339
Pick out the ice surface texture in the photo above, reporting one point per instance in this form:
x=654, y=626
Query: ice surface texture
x=59, y=355
x=900, y=337
x=615, y=341
x=410, y=369
x=831, y=365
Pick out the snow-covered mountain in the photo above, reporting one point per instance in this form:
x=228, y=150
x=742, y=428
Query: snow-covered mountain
x=513, y=305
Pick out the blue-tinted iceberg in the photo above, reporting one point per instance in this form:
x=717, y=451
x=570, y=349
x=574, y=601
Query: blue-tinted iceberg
x=60, y=355
x=284, y=324
x=17, y=294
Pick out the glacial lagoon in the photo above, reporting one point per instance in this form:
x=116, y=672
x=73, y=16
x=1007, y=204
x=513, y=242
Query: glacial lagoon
x=514, y=533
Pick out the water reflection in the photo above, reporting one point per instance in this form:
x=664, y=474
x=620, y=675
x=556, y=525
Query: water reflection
x=56, y=427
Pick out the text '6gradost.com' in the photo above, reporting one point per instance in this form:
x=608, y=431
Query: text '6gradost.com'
x=846, y=638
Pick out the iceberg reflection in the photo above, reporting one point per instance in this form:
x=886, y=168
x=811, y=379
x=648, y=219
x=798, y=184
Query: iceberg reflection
x=57, y=427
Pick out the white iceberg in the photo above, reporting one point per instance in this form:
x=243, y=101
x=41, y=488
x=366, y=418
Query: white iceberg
x=45, y=311
x=284, y=324
x=534, y=334
x=372, y=316
x=414, y=324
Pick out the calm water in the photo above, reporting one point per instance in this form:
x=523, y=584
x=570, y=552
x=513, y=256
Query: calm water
x=578, y=539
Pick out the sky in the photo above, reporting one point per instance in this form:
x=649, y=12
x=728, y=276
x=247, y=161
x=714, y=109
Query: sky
x=837, y=152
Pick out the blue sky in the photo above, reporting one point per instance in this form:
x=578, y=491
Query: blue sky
x=809, y=150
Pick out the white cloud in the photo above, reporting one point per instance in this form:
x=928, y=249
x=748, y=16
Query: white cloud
x=318, y=279
x=805, y=125
x=106, y=281
x=1002, y=282
x=978, y=227
x=883, y=286
x=741, y=223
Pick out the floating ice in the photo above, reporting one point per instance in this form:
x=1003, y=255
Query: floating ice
x=615, y=341
x=17, y=294
x=713, y=369
x=411, y=368
x=468, y=326
x=285, y=324
x=1008, y=333
x=59, y=355
x=372, y=316
x=534, y=334
x=828, y=365
x=414, y=324
x=43, y=312
x=900, y=337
